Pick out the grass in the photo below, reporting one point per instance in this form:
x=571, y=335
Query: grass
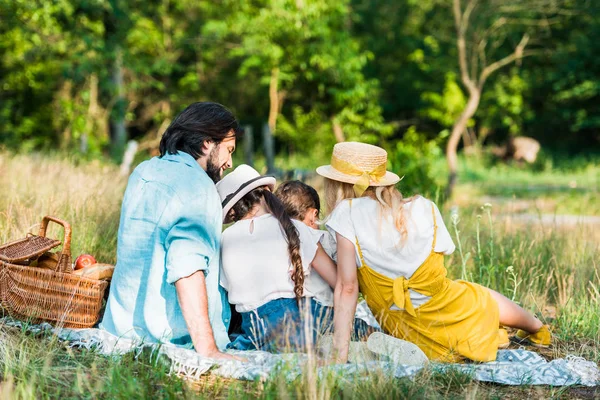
x=555, y=273
x=553, y=172
x=560, y=186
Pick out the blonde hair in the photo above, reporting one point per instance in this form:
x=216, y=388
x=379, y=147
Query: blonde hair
x=390, y=200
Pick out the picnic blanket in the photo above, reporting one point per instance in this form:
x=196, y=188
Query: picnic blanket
x=512, y=367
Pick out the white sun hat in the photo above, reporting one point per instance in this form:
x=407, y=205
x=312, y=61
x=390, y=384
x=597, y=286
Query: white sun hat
x=361, y=164
x=240, y=182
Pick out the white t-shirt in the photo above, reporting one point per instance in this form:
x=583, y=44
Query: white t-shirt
x=318, y=288
x=325, y=295
x=329, y=245
x=380, y=241
x=314, y=285
x=255, y=265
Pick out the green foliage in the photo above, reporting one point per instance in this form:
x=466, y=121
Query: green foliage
x=317, y=62
x=446, y=107
x=411, y=54
x=413, y=159
x=504, y=103
x=306, y=125
x=370, y=68
x=40, y=44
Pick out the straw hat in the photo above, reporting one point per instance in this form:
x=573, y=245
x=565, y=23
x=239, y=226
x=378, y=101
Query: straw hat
x=362, y=164
x=240, y=182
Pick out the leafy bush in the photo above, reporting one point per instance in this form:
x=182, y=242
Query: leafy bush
x=413, y=158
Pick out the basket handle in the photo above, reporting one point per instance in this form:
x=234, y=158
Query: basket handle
x=64, y=260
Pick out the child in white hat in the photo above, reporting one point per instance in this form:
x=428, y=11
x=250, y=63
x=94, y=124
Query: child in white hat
x=266, y=257
x=398, y=246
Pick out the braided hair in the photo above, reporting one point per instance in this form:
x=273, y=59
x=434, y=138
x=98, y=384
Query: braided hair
x=275, y=208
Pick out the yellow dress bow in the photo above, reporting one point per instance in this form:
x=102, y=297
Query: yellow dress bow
x=401, y=295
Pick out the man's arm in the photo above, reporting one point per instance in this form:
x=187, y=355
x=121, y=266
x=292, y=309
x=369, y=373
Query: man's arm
x=193, y=300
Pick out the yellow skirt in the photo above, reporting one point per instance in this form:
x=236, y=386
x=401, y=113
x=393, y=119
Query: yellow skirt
x=461, y=323
x=460, y=320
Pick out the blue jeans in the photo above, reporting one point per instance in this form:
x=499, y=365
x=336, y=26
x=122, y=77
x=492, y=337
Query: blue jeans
x=322, y=317
x=275, y=326
x=323, y=322
x=278, y=326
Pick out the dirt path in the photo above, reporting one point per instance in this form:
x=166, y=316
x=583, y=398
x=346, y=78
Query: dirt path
x=553, y=219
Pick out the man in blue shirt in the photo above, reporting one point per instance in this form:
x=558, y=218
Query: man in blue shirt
x=166, y=283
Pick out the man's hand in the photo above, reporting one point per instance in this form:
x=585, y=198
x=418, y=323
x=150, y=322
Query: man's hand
x=193, y=300
x=218, y=355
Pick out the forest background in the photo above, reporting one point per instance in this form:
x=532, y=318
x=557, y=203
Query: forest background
x=86, y=76
x=440, y=84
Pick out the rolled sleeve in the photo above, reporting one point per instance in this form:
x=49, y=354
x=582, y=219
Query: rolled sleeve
x=190, y=243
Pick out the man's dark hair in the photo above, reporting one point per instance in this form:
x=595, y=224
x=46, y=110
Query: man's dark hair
x=199, y=122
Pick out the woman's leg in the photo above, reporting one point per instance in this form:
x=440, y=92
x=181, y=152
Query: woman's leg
x=511, y=314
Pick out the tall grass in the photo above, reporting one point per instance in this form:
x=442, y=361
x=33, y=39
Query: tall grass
x=550, y=270
x=86, y=195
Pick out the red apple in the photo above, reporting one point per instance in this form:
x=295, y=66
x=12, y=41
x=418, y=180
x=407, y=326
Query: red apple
x=84, y=260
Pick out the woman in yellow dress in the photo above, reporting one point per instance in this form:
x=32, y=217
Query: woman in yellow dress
x=398, y=246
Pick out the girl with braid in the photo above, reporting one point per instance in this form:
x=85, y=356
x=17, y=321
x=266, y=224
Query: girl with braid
x=266, y=257
x=302, y=203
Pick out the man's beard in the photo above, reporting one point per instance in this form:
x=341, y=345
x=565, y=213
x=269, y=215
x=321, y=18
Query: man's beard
x=213, y=169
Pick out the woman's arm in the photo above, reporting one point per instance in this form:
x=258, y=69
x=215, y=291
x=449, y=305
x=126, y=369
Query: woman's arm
x=345, y=297
x=323, y=264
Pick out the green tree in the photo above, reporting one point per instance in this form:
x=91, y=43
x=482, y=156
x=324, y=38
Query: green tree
x=305, y=54
x=491, y=34
x=50, y=73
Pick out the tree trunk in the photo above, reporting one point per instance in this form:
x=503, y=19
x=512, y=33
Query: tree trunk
x=92, y=115
x=457, y=130
x=64, y=95
x=249, y=145
x=269, y=148
x=337, y=130
x=273, y=99
x=118, y=119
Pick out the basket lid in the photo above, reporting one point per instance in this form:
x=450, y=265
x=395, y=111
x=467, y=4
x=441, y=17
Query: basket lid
x=25, y=249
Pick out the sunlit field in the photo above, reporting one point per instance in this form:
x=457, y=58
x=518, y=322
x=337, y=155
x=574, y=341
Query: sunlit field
x=504, y=241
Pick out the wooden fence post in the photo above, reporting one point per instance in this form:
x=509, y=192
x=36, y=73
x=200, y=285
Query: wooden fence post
x=269, y=148
x=249, y=145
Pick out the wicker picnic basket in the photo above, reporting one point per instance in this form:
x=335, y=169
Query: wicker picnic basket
x=40, y=294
